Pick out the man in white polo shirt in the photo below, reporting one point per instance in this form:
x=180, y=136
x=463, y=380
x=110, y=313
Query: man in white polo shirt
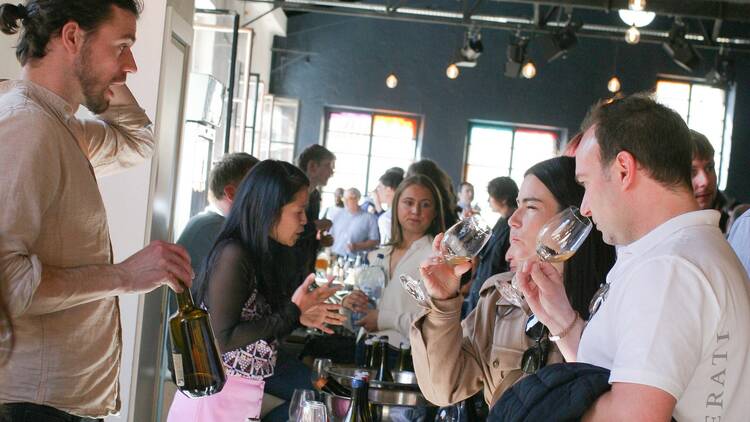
x=673, y=325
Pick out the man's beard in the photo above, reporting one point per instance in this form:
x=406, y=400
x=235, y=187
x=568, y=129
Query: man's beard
x=94, y=91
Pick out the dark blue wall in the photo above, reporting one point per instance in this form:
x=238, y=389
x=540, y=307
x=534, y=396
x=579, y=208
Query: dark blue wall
x=352, y=57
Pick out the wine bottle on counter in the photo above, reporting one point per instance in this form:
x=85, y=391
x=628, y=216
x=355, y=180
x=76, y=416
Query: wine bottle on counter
x=404, y=358
x=198, y=369
x=384, y=371
x=359, y=409
x=374, y=359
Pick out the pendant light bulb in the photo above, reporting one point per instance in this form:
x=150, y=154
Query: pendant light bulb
x=637, y=5
x=529, y=70
x=614, y=85
x=452, y=71
x=632, y=35
x=391, y=81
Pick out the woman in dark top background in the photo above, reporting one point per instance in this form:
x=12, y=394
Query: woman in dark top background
x=247, y=288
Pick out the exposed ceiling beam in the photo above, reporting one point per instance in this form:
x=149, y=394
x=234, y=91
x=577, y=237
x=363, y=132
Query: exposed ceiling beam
x=701, y=9
x=509, y=23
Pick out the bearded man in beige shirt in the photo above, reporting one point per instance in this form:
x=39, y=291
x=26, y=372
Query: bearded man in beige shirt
x=55, y=255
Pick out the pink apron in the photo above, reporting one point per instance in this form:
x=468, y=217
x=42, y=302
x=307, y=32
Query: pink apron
x=239, y=400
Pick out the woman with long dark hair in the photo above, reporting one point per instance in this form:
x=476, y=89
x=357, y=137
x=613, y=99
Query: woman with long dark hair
x=500, y=341
x=247, y=288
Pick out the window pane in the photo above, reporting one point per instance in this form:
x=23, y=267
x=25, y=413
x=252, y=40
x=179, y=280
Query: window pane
x=675, y=95
x=488, y=158
x=707, y=116
x=378, y=166
x=394, y=127
x=282, y=151
x=347, y=143
x=350, y=122
x=529, y=148
x=393, y=147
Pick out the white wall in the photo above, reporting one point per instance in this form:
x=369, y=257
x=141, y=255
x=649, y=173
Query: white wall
x=9, y=67
x=264, y=30
x=126, y=194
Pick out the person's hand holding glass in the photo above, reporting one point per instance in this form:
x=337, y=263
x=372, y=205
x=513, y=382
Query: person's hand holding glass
x=454, y=250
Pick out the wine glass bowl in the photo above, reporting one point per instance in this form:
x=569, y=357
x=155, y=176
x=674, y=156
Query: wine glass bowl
x=460, y=244
x=299, y=398
x=557, y=241
x=561, y=237
x=465, y=239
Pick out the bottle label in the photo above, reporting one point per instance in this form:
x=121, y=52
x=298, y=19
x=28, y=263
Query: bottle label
x=179, y=374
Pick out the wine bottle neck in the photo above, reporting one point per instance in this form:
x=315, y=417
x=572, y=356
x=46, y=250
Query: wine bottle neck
x=185, y=300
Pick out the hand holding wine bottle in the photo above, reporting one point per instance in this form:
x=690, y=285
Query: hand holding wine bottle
x=315, y=312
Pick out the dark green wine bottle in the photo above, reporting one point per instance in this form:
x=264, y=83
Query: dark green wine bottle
x=374, y=358
x=404, y=358
x=384, y=371
x=359, y=409
x=198, y=369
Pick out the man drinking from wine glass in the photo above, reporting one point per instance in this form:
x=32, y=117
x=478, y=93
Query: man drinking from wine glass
x=55, y=253
x=672, y=321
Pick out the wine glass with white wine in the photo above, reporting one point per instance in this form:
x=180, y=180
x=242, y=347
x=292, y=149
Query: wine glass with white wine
x=557, y=241
x=460, y=244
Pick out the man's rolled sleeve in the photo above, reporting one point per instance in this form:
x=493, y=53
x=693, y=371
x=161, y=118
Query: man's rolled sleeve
x=28, y=186
x=121, y=137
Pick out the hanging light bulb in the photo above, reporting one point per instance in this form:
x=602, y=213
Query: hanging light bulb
x=632, y=35
x=614, y=85
x=452, y=71
x=637, y=5
x=391, y=81
x=529, y=70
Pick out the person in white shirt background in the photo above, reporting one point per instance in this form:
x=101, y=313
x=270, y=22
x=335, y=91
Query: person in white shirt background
x=466, y=199
x=739, y=238
x=673, y=324
x=388, y=183
x=354, y=230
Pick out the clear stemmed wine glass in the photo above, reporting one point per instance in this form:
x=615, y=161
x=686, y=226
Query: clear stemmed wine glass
x=299, y=398
x=557, y=241
x=460, y=243
x=314, y=411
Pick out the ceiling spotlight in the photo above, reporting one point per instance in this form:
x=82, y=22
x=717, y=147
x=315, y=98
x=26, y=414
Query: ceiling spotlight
x=633, y=18
x=723, y=71
x=516, y=56
x=471, y=49
x=558, y=43
x=680, y=50
x=391, y=81
x=452, y=71
x=632, y=35
x=528, y=70
x=637, y=5
x=613, y=85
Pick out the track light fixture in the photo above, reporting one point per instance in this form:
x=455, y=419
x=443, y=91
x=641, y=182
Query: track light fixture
x=516, y=57
x=723, y=72
x=471, y=49
x=558, y=43
x=680, y=49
